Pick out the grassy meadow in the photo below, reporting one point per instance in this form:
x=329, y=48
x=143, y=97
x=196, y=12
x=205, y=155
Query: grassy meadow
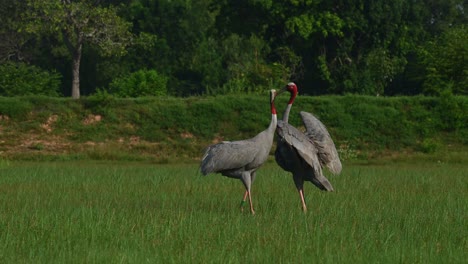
x=111, y=212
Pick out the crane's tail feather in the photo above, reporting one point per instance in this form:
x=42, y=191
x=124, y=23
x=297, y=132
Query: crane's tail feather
x=319, y=180
x=323, y=184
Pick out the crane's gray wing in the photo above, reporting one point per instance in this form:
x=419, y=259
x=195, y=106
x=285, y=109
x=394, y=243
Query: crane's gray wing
x=227, y=155
x=319, y=135
x=297, y=140
x=284, y=155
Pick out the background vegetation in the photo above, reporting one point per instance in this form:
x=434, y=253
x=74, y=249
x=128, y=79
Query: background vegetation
x=119, y=53
x=172, y=129
x=216, y=47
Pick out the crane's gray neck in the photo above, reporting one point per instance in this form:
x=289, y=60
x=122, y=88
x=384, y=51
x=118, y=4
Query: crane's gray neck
x=274, y=118
x=286, y=113
x=273, y=123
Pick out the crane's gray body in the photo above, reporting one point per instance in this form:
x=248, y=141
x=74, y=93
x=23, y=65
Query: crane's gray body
x=305, y=154
x=239, y=159
x=228, y=157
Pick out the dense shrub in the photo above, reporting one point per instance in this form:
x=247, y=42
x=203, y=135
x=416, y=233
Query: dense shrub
x=453, y=112
x=18, y=79
x=14, y=107
x=140, y=83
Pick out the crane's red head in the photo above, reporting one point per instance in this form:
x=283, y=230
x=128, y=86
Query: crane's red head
x=292, y=89
x=273, y=95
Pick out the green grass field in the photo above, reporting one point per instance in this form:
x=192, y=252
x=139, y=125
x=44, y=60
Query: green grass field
x=88, y=212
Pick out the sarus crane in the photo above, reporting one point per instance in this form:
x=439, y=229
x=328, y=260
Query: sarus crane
x=305, y=154
x=241, y=159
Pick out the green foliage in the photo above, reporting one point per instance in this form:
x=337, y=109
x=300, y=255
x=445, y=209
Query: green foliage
x=79, y=22
x=445, y=60
x=186, y=49
x=360, y=126
x=15, y=107
x=380, y=68
x=162, y=121
x=375, y=123
x=207, y=61
x=370, y=76
x=203, y=124
x=37, y=146
x=218, y=47
x=364, y=59
x=19, y=79
x=247, y=71
x=453, y=112
x=4, y=163
x=75, y=24
x=13, y=43
x=429, y=146
x=310, y=22
x=139, y=83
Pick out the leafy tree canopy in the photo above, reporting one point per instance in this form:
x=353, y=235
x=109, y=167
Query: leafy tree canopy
x=77, y=23
x=233, y=46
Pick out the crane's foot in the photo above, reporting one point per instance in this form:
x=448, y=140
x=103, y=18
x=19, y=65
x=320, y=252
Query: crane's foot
x=242, y=203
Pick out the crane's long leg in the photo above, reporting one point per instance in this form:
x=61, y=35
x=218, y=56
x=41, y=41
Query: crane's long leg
x=247, y=181
x=253, y=174
x=301, y=193
x=247, y=193
x=243, y=201
x=299, y=182
x=250, y=202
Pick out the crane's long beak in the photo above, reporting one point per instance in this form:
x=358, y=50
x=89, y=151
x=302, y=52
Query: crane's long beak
x=285, y=88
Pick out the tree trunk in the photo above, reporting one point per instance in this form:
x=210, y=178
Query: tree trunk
x=75, y=93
